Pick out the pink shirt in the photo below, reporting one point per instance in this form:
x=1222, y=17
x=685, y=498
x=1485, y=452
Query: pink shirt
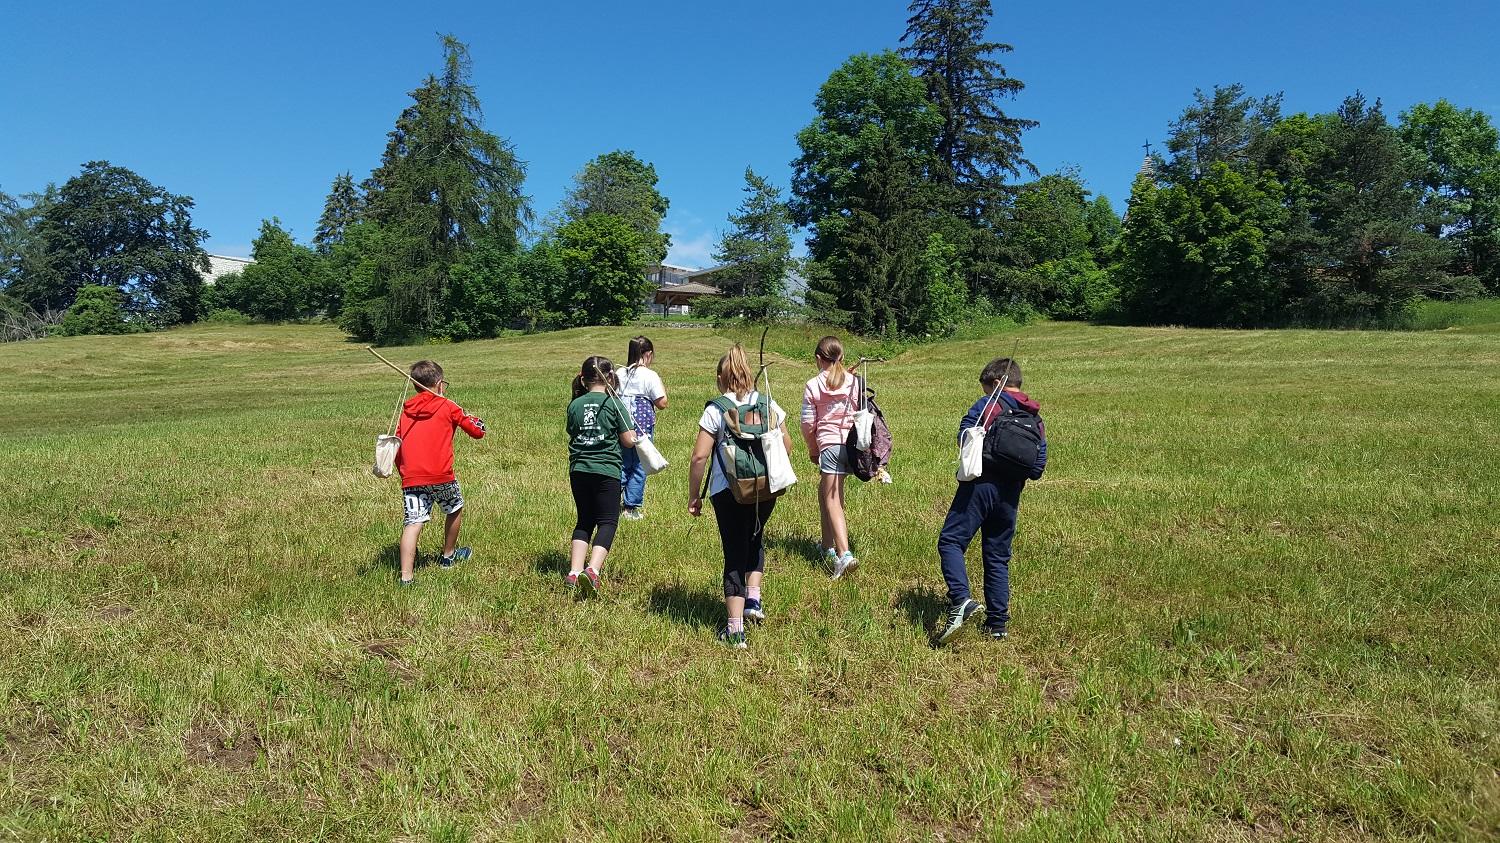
x=828, y=412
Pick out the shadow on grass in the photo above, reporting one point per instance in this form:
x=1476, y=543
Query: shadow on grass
x=924, y=608
x=798, y=545
x=550, y=563
x=387, y=558
x=696, y=608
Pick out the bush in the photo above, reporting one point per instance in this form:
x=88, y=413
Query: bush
x=97, y=310
x=226, y=316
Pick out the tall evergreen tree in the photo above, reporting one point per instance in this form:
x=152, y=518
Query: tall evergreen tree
x=863, y=184
x=444, y=185
x=1376, y=256
x=756, y=252
x=978, y=144
x=621, y=185
x=343, y=207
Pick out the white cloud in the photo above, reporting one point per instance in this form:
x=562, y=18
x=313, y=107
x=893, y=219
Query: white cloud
x=692, y=242
x=696, y=252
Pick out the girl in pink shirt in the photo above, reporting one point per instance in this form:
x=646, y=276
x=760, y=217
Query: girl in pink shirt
x=828, y=405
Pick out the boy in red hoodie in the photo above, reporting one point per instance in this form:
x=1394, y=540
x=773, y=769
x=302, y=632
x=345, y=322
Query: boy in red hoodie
x=987, y=505
x=425, y=462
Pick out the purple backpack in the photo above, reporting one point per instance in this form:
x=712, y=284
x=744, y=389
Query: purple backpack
x=867, y=465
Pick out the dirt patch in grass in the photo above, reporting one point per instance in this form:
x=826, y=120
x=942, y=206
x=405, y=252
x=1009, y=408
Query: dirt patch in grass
x=388, y=651
x=114, y=612
x=207, y=743
x=755, y=822
x=33, y=738
x=1041, y=792
x=528, y=800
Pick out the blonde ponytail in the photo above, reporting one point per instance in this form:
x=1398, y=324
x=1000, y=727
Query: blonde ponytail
x=831, y=351
x=734, y=372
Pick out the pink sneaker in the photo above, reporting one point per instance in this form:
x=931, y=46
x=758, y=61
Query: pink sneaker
x=591, y=585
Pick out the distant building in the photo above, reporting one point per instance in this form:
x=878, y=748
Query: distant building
x=794, y=285
x=667, y=276
x=221, y=265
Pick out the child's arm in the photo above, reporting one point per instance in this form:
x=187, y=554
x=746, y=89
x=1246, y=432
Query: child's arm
x=1041, y=456
x=661, y=399
x=971, y=418
x=810, y=423
x=472, y=425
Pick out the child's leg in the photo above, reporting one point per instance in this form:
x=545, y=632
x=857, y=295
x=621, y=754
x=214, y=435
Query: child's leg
x=826, y=523
x=583, y=528
x=735, y=526
x=830, y=500
x=633, y=478
x=965, y=516
x=757, y=546
x=999, y=528
x=409, y=534
x=606, y=517
x=450, y=531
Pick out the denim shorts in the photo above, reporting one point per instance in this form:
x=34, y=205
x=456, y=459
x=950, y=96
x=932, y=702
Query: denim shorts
x=419, y=501
x=835, y=459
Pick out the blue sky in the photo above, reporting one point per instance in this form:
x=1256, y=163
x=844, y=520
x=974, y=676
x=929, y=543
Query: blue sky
x=253, y=108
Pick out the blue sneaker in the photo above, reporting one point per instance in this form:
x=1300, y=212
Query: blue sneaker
x=405, y=583
x=733, y=640
x=753, y=611
x=460, y=554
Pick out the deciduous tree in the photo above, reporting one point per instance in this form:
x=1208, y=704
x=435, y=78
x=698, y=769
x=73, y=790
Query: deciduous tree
x=110, y=227
x=621, y=185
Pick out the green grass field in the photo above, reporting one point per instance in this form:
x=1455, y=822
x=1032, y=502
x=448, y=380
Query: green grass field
x=1257, y=596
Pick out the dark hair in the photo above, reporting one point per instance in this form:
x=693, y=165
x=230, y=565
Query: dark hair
x=1001, y=368
x=427, y=373
x=595, y=369
x=639, y=347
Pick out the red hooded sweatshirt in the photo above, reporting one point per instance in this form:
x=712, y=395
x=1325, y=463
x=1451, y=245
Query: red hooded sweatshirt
x=426, y=431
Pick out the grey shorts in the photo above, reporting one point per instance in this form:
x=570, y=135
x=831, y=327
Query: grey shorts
x=419, y=501
x=835, y=459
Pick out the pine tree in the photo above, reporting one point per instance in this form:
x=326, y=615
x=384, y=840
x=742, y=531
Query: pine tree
x=1376, y=256
x=343, y=207
x=979, y=144
x=756, y=253
x=444, y=185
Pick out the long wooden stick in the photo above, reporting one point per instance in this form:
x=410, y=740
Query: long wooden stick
x=404, y=373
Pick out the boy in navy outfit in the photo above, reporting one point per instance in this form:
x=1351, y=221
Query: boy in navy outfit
x=987, y=505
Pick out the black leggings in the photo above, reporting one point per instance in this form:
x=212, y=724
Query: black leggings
x=597, y=498
x=743, y=534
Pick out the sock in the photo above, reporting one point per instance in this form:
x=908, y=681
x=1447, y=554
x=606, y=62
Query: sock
x=752, y=592
x=736, y=624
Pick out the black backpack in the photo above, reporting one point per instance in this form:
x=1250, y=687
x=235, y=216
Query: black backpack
x=1012, y=443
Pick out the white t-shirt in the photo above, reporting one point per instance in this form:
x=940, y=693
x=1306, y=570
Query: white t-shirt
x=639, y=380
x=712, y=421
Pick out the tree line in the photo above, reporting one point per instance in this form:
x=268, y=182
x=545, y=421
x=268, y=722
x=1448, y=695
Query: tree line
x=920, y=208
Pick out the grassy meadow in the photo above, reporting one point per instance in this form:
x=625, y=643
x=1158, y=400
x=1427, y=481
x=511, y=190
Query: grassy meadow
x=1257, y=596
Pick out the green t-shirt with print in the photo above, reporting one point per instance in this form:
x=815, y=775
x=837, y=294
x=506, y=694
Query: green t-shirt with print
x=595, y=422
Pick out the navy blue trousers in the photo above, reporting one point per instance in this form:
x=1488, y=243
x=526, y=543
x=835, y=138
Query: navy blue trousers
x=988, y=507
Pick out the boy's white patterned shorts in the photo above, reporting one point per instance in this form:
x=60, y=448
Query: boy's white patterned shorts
x=419, y=501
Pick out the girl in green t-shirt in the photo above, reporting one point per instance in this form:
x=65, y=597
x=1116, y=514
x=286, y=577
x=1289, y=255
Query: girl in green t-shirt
x=597, y=426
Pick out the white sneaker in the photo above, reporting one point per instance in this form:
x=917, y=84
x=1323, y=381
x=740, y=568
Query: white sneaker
x=845, y=564
x=632, y=514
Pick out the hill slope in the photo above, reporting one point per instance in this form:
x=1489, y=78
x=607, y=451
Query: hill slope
x=1254, y=595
